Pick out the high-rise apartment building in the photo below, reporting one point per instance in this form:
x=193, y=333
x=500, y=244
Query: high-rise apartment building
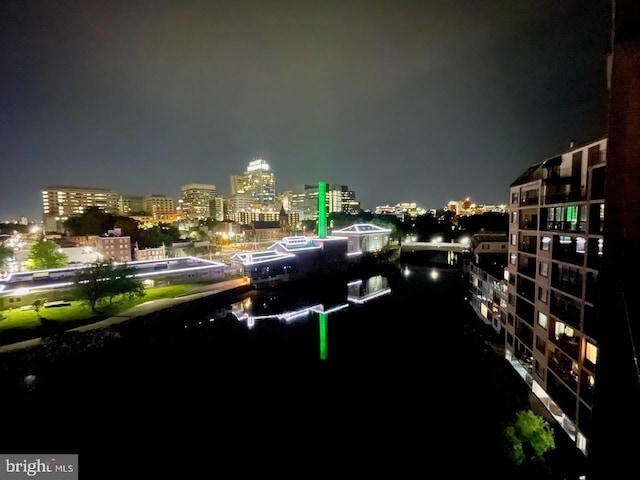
x=128, y=204
x=196, y=201
x=554, y=258
x=59, y=203
x=158, y=205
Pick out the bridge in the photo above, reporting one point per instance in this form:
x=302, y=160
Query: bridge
x=458, y=247
x=434, y=253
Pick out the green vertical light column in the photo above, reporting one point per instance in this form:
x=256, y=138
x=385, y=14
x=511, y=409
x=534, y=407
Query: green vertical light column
x=322, y=210
x=324, y=347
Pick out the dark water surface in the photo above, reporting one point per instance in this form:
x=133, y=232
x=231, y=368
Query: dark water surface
x=358, y=377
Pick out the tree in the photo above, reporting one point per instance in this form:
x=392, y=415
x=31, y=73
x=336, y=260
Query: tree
x=92, y=222
x=37, y=305
x=528, y=438
x=106, y=281
x=45, y=254
x=155, y=237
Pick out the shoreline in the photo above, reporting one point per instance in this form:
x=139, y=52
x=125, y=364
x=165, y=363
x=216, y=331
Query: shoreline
x=134, y=314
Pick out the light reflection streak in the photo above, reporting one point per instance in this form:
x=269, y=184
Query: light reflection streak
x=365, y=299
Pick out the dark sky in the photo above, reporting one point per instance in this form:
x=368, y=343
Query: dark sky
x=424, y=101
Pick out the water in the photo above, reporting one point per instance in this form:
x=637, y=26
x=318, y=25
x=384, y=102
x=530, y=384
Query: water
x=368, y=373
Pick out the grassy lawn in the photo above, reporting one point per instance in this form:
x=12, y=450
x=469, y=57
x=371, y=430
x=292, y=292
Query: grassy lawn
x=79, y=310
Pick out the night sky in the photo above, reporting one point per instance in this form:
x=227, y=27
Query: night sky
x=425, y=101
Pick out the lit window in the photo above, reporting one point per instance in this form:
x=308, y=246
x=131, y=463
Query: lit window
x=545, y=243
x=514, y=239
x=592, y=353
x=542, y=320
x=544, y=269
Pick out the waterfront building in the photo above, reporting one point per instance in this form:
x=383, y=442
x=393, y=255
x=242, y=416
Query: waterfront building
x=555, y=252
x=364, y=238
x=299, y=257
x=487, y=285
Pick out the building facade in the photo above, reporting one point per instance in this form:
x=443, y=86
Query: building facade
x=260, y=184
x=488, y=291
x=114, y=248
x=196, y=201
x=159, y=205
x=128, y=204
x=59, y=203
x=555, y=254
x=338, y=199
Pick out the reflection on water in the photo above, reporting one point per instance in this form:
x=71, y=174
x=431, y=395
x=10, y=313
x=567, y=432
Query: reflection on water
x=283, y=306
x=257, y=365
x=360, y=291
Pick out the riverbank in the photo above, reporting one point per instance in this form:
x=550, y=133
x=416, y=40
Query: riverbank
x=98, y=330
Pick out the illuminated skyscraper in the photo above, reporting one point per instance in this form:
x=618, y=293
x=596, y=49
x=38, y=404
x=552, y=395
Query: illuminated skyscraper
x=260, y=184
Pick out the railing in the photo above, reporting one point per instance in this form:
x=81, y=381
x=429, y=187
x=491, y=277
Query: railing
x=564, y=226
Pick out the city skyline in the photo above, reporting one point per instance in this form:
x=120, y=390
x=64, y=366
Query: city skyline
x=414, y=102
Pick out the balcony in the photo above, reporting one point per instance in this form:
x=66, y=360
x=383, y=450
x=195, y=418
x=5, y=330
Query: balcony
x=527, y=266
x=565, y=309
x=563, y=196
x=526, y=288
x=564, y=226
x=567, y=279
x=528, y=244
x=562, y=366
x=531, y=200
x=569, y=249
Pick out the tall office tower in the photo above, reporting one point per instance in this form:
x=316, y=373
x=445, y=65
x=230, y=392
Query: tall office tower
x=237, y=184
x=217, y=208
x=338, y=199
x=59, y=203
x=128, y=204
x=350, y=205
x=555, y=254
x=196, y=201
x=260, y=184
x=158, y=205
